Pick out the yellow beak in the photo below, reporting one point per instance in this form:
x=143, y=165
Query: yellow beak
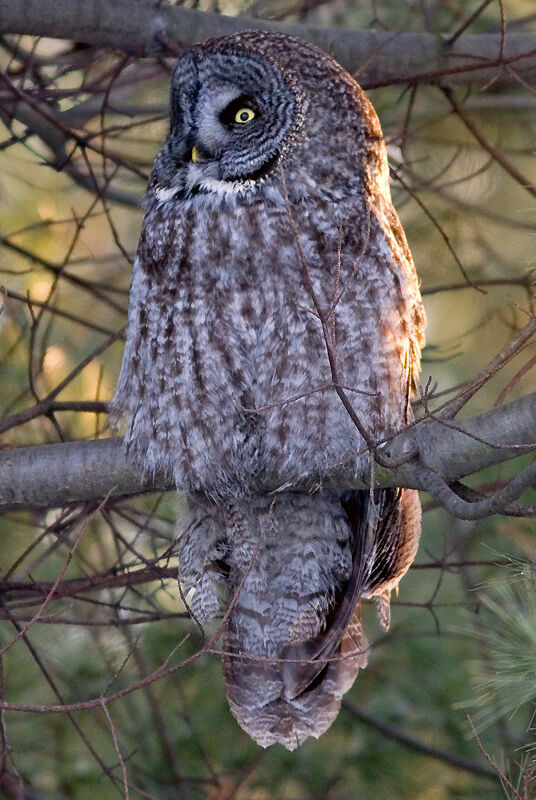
x=196, y=155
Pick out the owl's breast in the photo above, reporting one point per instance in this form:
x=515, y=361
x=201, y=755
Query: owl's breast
x=252, y=397
x=226, y=377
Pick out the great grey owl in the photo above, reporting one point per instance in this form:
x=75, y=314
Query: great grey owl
x=273, y=287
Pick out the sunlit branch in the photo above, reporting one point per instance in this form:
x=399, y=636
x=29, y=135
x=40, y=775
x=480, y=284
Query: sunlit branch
x=76, y=472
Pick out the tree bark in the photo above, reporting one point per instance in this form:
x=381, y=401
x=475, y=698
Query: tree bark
x=75, y=472
x=375, y=57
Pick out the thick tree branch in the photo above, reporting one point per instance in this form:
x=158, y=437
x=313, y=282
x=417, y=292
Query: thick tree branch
x=440, y=453
x=378, y=57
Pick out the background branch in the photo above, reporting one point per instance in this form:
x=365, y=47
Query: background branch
x=398, y=735
x=379, y=57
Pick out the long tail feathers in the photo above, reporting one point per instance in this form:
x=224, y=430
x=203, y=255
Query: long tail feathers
x=258, y=698
x=295, y=641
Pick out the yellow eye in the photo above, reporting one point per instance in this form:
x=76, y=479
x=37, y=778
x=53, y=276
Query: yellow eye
x=244, y=115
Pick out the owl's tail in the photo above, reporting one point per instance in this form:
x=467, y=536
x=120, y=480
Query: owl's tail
x=267, y=708
x=295, y=642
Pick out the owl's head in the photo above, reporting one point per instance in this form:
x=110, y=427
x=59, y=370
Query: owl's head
x=233, y=113
x=243, y=105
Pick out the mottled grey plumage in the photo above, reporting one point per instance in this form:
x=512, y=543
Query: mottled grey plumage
x=250, y=229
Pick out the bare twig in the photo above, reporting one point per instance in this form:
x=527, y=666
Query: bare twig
x=494, y=151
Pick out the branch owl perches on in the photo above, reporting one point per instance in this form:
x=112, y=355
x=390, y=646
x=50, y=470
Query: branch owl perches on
x=272, y=272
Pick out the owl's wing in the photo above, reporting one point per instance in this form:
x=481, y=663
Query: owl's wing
x=374, y=528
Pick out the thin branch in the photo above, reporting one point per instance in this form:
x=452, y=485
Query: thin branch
x=494, y=151
x=526, y=281
x=497, y=770
x=59, y=312
x=77, y=586
x=478, y=509
x=509, y=351
x=397, y=735
x=117, y=750
x=48, y=404
x=469, y=21
x=26, y=627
